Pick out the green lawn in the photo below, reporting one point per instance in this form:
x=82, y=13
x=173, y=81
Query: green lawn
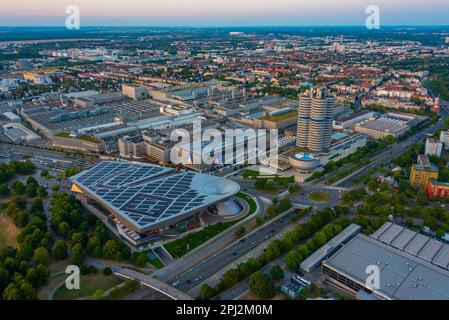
x=157, y=263
x=88, y=285
x=181, y=246
x=247, y=174
x=320, y=197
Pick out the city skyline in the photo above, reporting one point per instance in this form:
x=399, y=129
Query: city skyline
x=223, y=13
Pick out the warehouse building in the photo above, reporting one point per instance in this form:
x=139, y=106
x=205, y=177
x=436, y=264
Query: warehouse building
x=412, y=266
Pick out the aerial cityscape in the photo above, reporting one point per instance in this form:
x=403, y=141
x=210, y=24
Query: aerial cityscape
x=198, y=154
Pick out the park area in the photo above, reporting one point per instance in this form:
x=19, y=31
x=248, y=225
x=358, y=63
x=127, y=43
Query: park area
x=88, y=285
x=319, y=196
x=183, y=245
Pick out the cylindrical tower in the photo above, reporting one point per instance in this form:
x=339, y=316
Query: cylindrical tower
x=316, y=109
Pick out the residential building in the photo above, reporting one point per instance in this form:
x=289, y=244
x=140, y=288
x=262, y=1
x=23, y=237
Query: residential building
x=437, y=189
x=433, y=147
x=444, y=138
x=422, y=172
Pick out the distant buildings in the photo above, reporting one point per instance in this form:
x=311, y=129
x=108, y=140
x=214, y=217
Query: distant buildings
x=135, y=92
x=316, y=110
x=39, y=79
x=348, y=121
x=433, y=147
x=422, y=172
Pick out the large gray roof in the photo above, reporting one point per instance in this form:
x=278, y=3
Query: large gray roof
x=402, y=276
x=149, y=196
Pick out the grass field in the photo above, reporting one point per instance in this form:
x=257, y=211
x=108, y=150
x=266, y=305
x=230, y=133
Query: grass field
x=8, y=232
x=181, y=246
x=88, y=285
x=319, y=196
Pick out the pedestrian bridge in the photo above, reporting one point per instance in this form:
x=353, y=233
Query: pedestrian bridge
x=153, y=283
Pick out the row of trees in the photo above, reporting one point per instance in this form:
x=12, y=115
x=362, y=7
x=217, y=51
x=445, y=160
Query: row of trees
x=370, y=149
x=278, y=247
x=11, y=169
x=295, y=256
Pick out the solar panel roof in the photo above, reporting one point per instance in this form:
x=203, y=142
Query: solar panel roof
x=149, y=195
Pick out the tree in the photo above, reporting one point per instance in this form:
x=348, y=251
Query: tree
x=230, y=278
x=31, y=190
x=18, y=187
x=37, y=206
x=44, y=173
x=41, y=255
x=277, y=273
x=240, y=232
x=98, y=294
x=42, y=192
x=273, y=250
x=63, y=229
x=206, y=292
x=262, y=285
x=4, y=190
x=37, y=276
x=140, y=259
x=78, y=254
x=293, y=259
x=421, y=198
x=79, y=237
x=60, y=250
x=12, y=292
x=94, y=247
x=107, y=271
x=4, y=279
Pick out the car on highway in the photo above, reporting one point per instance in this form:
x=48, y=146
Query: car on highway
x=199, y=279
x=175, y=283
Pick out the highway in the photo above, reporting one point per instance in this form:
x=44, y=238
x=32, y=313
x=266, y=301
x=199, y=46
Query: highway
x=208, y=248
x=213, y=264
x=392, y=152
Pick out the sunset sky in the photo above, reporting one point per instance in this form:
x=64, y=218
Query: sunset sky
x=223, y=12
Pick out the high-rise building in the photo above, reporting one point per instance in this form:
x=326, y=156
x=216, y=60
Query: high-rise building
x=444, y=138
x=433, y=147
x=316, y=110
x=422, y=172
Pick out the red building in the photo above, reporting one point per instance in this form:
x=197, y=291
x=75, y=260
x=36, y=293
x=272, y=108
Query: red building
x=436, y=189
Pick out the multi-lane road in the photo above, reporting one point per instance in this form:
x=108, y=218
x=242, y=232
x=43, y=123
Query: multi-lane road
x=392, y=152
x=213, y=264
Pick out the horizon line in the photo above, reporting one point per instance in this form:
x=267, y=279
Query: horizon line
x=223, y=26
